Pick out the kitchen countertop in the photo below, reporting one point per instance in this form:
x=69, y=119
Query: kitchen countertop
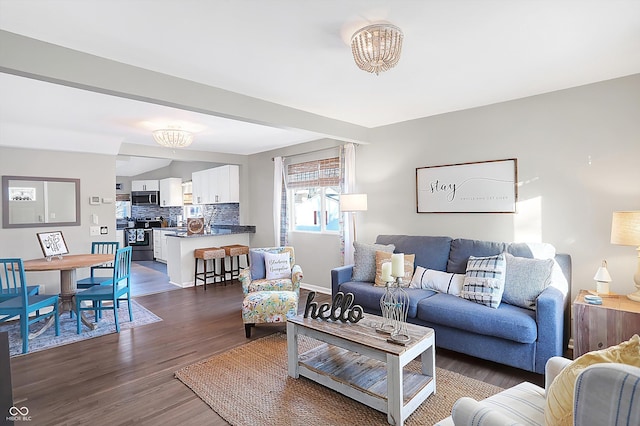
x=181, y=232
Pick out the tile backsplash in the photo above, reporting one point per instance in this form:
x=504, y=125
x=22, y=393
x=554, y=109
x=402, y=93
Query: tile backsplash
x=220, y=214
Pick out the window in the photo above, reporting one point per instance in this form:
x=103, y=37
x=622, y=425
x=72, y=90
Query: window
x=314, y=194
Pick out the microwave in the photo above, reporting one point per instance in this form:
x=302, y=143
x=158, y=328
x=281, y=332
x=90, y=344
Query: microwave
x=145, y=198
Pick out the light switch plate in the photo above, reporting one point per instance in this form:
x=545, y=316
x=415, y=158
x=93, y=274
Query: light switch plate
x=94, y=231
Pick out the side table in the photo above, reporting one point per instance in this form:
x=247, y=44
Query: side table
x=597, y=327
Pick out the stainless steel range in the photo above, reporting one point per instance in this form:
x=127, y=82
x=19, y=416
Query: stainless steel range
x=140, y=238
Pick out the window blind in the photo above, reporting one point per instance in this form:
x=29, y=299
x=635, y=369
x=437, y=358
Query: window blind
x=325, y=172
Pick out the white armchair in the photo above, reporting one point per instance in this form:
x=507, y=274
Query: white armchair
x=604, y=395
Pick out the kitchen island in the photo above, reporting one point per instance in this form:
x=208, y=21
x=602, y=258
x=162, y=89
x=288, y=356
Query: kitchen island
x=180, y=247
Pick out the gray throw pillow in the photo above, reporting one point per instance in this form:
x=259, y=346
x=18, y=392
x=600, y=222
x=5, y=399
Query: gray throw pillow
x=364, y=257
x=525, y=279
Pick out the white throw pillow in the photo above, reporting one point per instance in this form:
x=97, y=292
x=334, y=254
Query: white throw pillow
x=444, y=282
x=277, y=265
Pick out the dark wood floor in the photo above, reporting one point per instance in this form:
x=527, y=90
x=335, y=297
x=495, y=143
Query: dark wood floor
x=127, y=378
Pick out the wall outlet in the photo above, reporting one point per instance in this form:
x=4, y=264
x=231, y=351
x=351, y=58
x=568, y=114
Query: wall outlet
x=104, y=230
x=94, y=231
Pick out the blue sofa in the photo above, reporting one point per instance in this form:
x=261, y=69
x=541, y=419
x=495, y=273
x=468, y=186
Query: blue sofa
x=510, y=335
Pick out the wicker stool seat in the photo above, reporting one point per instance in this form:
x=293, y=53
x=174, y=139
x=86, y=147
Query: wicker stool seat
x=233, y=252
x=206, y=255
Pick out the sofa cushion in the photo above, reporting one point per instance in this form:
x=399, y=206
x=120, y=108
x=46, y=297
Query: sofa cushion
x=507, y=322
x=382, y=257
x=443, y=282
x=368, y=296
x=364, y=256
x=462, y=248
x=525, y=279
x=484, y=280
x=532, y=250
x=430, y=252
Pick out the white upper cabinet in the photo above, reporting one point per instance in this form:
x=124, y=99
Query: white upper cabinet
x=217, y=185
x=145, y=185
x=170, y=192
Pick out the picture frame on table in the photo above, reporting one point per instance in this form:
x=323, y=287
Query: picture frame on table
x=478, y=187
x=52, y=243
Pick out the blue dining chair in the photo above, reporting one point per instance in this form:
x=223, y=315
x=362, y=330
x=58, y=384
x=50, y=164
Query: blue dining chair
x=100, y=247
x=10, y=289
x=119, y=289
x=25, y=304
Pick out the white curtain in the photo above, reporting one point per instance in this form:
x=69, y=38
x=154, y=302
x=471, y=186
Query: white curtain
x=348, y=186
x=278, y=174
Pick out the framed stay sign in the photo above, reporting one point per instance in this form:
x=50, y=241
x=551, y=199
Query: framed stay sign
x=52, y=243
x=482, y=187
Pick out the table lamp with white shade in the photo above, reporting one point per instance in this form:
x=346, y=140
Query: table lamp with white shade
x=625, y=230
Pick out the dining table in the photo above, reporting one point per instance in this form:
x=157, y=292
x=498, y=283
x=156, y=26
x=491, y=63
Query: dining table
x=68, y=266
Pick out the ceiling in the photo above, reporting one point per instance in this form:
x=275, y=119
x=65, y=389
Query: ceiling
x=457, y=54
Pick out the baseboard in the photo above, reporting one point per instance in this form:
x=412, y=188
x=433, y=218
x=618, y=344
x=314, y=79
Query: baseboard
x=315, y=288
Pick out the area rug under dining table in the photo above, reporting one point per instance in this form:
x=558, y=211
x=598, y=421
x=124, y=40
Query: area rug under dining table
x=249, y=385
x=68, y=334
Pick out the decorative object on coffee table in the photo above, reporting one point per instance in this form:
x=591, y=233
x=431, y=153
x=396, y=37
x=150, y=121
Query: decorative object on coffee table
x=400, y=300
x=341, y=308
x=386, y=301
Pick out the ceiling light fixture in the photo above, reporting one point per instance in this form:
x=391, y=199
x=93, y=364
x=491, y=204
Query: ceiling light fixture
x=173, y=137
x=376, y=48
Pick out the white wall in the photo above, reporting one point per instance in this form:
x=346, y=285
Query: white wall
x=97, y=177
x=578, y=152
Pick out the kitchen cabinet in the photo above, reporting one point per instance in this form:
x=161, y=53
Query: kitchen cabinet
x=160, y=244
x=171, y=192
x=145, y=185
x=157, y=245
x=217, y=185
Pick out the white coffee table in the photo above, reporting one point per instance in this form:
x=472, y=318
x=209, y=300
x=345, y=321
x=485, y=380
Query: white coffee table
x=351, y=348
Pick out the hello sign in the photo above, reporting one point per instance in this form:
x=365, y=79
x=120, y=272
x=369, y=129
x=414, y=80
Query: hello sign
x=342, y=308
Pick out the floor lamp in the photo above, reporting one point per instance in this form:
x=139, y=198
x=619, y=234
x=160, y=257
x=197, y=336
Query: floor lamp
x=625, y=230
x=353, y=203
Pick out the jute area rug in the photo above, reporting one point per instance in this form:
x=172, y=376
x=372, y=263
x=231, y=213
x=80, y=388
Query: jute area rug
x=249, y=385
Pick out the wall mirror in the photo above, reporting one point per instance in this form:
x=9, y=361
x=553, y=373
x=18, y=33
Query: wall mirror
x=29, y=202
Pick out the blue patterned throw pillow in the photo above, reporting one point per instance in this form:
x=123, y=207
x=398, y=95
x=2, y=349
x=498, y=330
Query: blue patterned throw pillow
x=484, y=280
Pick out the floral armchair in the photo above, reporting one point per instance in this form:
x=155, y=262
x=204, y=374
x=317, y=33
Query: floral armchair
x=269, y=300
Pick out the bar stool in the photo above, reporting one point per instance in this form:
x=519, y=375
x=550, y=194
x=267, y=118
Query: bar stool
x=234, y=251
x=206, y=254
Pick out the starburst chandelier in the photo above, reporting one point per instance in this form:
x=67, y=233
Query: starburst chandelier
x=173, y=137
x=376, y=48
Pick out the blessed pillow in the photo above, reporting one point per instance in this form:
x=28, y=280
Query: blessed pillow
x=444, y=282
x=364, y=256
x=277, y=266
x=525, y=279
x=484, y=280
x=559, y=400
x=384, y=257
